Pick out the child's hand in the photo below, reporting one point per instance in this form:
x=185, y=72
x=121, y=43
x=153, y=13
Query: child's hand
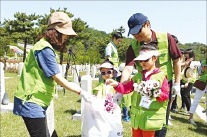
x=111, y=82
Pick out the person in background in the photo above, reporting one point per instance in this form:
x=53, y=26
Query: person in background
x=174, y=103
x=188, y=78
x=174, y=107
x=148, y=117
x=111, y=52
x=41, y=73
x=140, y=27
x=199, y=92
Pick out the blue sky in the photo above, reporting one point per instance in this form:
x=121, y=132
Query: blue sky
x=185, y=19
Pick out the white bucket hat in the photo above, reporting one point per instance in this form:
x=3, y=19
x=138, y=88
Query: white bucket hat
x=106, y=65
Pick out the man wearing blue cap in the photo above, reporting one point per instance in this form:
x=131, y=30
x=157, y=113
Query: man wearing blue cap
x=139, y=27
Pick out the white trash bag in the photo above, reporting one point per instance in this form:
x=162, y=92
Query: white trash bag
x=101, y=118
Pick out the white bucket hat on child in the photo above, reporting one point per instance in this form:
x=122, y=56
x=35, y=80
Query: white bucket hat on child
x=106, y=65
x=146, y=54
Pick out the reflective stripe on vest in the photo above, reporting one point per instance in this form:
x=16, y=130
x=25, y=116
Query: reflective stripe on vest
x=114, y=55
x=100, y=90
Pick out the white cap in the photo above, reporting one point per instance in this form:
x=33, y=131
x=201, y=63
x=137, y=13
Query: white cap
x=106, y=65
x=146, y=54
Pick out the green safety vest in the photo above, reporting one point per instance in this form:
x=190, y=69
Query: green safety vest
x=203, y=76
x=34, y=86
x=100, y=90
x=164, y=60
x=114, y=55
x=148, y=119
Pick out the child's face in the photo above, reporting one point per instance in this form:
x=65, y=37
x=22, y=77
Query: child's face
x=107, y=73
x=186, y=56
x=149, y=63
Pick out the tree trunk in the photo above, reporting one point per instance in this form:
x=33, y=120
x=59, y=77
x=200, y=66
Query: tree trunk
x=25, y=47
x=61, y=58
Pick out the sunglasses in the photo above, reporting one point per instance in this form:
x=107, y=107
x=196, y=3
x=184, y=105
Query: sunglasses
x=107, y=72
x=144, y=60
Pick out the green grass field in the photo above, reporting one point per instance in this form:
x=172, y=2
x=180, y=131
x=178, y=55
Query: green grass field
x=68, y=104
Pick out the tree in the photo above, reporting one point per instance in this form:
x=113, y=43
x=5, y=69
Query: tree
x=120, y=29
x=22, y=27
x=5, y=40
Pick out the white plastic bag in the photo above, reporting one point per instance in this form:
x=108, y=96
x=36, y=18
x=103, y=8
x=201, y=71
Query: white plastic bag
x=96, y=122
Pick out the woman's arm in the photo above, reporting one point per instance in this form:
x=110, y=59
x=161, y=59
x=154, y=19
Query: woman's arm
x=65, y=84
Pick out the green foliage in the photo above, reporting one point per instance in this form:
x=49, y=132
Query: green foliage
x=4, y=41
x=122, y=48
x=22, y=27
x=88, y=46
x=199, y=49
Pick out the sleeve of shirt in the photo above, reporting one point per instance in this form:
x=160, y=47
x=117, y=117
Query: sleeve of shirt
x=125, y=88
x=130, y=56
x=174, y=50
x=108, y=51
x=164, y=91
x=47, y=61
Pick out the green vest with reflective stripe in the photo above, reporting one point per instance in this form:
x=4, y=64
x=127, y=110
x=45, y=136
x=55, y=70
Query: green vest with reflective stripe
x=114, y=55
x=100, y=90
x=148, y=119
x=203, y=76
x=164, y=60
x=34, y=86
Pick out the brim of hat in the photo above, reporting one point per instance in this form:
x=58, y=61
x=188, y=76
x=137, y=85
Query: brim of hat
x=146, y=55
x=189, y=72
x=68, y=31
x=106, y=65
x=143, y=57
x=135, y=29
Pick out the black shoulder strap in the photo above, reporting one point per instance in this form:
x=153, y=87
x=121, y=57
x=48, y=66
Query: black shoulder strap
x=186, y=71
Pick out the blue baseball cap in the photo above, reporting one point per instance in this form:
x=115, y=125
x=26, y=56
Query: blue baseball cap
x=135, y=23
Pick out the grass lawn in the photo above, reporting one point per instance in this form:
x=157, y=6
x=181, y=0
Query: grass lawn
x=68, y=104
